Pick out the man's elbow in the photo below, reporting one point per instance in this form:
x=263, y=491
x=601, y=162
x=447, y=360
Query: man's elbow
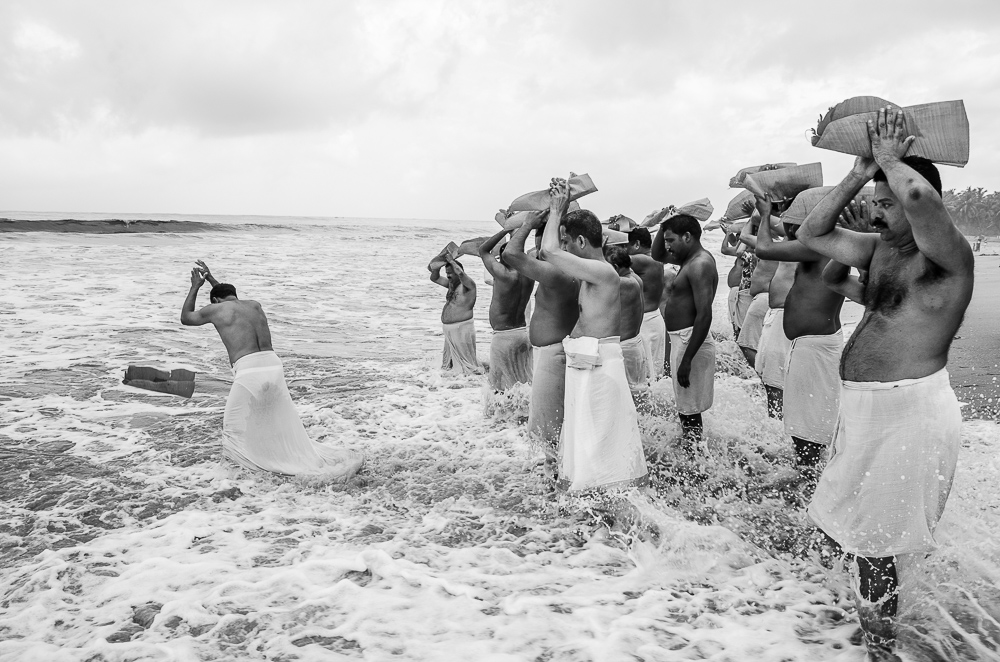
x=186, y=319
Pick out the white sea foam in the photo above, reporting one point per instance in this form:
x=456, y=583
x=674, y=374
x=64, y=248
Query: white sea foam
x=449, y=546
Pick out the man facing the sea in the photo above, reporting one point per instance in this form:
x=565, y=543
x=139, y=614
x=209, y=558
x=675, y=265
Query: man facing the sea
x=634, y=351
x=653, y=330
x=896, y=445
x=600, y=445
x=459, y=328
x=260, y=429
x=554, y=316
x=510, y=350
x=690, y=296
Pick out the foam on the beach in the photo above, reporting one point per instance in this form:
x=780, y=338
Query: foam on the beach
x=124, y=538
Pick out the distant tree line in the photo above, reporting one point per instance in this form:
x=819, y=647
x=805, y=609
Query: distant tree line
x=974, y=210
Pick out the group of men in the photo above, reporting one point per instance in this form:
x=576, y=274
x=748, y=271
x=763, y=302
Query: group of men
x=595, y=334
x=879, y=409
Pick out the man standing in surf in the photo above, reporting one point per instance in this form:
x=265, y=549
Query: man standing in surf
x=459, y=328
x=554, y=316
x=811, y=322
x=653, y=330
x=261, y=429
x=896, y=445
x=600, y=447
x=689, y=302
x=510, y=351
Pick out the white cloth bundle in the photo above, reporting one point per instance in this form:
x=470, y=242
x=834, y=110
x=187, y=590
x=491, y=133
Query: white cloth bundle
x=262, y=430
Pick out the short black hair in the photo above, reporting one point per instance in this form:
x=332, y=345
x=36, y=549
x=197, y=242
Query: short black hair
x=683, y=223
x=583, y=223
x=641, y=235
x=222, y=290
x=618, y=257
x=924, y=167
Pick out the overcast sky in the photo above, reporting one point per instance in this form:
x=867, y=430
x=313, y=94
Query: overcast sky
x=449, y=109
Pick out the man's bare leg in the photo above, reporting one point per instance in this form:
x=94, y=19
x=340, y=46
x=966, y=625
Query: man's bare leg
x=878, y=600
x=775, y=401
x=691, y=429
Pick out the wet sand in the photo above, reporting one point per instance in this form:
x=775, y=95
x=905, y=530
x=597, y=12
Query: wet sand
x=974, y=361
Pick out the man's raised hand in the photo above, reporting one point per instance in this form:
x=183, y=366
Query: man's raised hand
x=558, y=195
x=856, y=217
x=888, y=135
x=764, y=207
x=197, y=277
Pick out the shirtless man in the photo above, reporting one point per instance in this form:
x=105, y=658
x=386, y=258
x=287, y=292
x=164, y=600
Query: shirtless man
x=456, y=318
x=773, y=345
x=811, y=322
x=634, y=352
x=898, y=432
x=689, y=321
x=760, y=282
x=554, y=316
x=738, y=278
x=654, y=332
x=600, y=420
x=260, y=429
x=510, y=351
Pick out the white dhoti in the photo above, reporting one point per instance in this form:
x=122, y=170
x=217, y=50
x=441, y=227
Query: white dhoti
x=600, y=445
x=460, y=348
x=636, y=359
x=772, y=352
x=654, y=336
x=812, y=387
x=753, y=322
x=743, y=301
x=510, y=359
x=548, y=391
x=700, y=393
x=262, y=430
x=891, y=466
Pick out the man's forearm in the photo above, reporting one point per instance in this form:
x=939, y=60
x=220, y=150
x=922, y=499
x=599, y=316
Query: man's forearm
x=699, y=332
x=190, y=300
x=487, y=246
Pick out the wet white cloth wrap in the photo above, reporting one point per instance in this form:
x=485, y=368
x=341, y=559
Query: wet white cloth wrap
x=700, y=393
x=510, y=359
x=460, y=348
x=600, y=445
x=772, y=352
x=261, y=428
x=654, y=336
x=891, y=466
x=636, y=359
x=812, y=387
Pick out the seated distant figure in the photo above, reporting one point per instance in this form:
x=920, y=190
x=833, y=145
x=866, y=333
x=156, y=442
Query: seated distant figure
x=634, y=351
x=456, y=318
x=261, y=429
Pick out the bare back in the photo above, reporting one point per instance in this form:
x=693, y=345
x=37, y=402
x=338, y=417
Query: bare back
x=556, y=311
x=651, y=273
x=242, y=326
x=511, y=294
x=763, y=272
x=632, y=309
x=811, y=308
x=600, y=307
x=913, y=309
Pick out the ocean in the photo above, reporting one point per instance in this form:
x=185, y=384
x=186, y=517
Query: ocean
x=123, y=537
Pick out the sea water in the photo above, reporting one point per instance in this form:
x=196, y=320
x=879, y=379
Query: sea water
x=123, y=537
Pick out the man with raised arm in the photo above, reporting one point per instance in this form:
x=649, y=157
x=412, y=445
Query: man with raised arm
x=555, y=314
x=459, y=353
x=654, y=331
x=634, y=352
x=600, y=445
x=260, y=429
x=894, y=453
x=510, y=351
x=810, y=319
x=760, y=282
x=738, y=278
x=689, y=305
x=773, y=344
